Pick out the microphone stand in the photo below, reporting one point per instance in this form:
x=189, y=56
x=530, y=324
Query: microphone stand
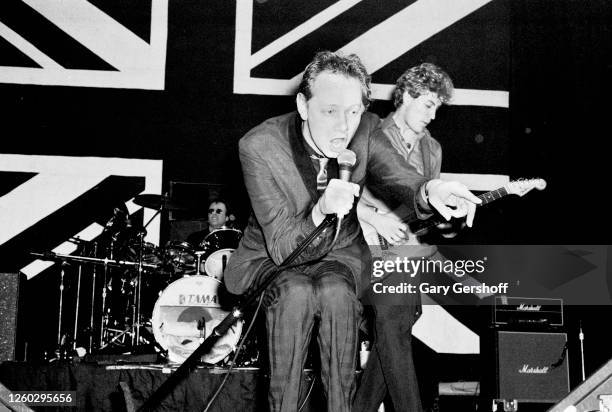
x=190, y=363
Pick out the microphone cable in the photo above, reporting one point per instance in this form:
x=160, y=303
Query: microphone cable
x=236, y=353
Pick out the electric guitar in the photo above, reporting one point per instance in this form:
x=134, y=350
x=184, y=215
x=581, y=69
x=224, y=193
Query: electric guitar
x=418, y=227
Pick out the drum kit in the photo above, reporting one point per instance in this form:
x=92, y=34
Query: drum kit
x=168, y=299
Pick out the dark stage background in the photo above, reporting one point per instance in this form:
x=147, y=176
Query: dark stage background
x=553, y=57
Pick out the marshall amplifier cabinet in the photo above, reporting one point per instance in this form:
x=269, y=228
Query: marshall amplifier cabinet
x=527, y=312
x=531, y=366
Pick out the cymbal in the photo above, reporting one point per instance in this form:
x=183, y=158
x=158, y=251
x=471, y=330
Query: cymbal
x=153, y=201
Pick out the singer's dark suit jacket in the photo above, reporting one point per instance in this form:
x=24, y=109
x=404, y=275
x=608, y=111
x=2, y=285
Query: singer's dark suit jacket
x=281, y=181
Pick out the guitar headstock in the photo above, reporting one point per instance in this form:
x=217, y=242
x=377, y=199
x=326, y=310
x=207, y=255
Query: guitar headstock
x=521, y=187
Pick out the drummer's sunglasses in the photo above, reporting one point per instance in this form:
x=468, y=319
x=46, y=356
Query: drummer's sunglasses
x=217, y=211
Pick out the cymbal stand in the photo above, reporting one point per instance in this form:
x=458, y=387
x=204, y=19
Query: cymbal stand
x=104, y=314
x=137, y=321
x=93, y=299
x=61, y=304
x=76, y=305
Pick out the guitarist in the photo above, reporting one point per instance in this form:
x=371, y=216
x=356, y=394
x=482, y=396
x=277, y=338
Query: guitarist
x=418, y=94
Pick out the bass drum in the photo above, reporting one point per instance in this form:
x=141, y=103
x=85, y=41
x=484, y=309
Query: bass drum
x=186, y=313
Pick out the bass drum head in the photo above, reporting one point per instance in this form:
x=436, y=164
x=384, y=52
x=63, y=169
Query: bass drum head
x=188, y=310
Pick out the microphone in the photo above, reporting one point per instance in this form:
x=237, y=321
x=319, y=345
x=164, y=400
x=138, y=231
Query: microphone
x=346, y=160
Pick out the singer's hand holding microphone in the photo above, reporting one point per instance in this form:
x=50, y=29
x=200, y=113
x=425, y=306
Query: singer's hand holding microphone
x=338, y=197
x=339, y=194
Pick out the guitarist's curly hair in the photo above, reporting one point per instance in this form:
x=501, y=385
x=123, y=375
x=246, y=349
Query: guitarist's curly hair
x=424, y=78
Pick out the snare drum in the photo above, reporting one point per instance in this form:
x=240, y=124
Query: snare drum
x=186, y=312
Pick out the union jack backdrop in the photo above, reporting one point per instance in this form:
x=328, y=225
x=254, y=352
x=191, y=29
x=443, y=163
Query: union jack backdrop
x=121, y=89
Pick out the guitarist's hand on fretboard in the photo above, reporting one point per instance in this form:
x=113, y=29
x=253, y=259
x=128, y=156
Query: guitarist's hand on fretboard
x=517, y=187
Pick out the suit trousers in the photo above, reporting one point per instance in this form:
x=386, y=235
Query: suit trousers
x=322, y=293
x=390, y=368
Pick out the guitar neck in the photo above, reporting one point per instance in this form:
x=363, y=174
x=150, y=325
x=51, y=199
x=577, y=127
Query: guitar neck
x=492, y=196
x=418, y=226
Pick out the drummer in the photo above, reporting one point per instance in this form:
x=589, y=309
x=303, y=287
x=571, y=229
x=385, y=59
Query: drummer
x=219, y=217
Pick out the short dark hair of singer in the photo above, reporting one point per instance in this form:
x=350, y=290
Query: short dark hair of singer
x=421, y=79
x=327, y=61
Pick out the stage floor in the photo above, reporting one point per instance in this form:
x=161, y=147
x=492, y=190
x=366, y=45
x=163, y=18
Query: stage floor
x=97, y=386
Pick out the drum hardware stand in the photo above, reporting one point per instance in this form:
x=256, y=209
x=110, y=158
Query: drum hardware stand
x=76, y=310
x=82, y=244
x=61, y=304
x=137, y=323
x=119, y=335
x=93, y=298
x=104, y=314
x=221, y=329
x=107, y=262
x=199, y=254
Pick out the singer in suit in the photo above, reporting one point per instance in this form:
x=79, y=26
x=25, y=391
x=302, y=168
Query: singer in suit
x=290, y=169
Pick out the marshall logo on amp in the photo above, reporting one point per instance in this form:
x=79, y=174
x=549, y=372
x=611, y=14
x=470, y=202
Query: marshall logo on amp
x=529, y=308
x=534, y=369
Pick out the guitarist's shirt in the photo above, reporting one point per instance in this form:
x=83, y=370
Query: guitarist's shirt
x=423, y=153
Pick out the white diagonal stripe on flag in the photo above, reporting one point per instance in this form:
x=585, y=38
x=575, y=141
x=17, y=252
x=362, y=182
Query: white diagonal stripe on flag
x=140, y=65
x=417, y=23
x=27, y=48
x=302, y=30
x=442, y=332
x=19, y=210
x=71, y=170
x=399, y=33
x=96, y=30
